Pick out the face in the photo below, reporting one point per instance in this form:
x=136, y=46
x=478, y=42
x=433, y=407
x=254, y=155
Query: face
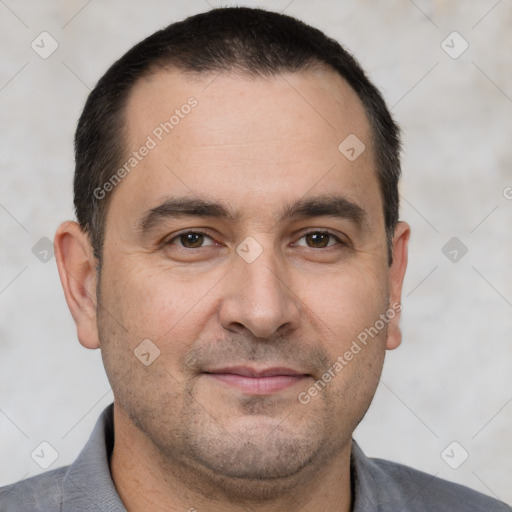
x=251, y=252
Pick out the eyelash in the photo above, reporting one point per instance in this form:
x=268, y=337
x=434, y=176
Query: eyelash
x=322, y=232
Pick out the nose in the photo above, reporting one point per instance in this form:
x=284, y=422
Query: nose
x=259, y=298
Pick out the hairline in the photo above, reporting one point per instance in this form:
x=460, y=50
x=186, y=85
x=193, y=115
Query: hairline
x=168, y=64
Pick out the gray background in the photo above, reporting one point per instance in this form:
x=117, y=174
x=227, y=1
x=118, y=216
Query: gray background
x=451, y=378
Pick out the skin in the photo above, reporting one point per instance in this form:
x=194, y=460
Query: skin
x=184, y=439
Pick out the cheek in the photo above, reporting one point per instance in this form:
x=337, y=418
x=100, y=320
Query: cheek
x=346, y=311
x=348, y=301
x=159, y=304
x=141, y=304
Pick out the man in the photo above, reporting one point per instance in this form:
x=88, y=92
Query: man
x=237, y=238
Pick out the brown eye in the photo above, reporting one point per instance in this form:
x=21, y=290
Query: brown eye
x=318, y=240
x=192, y=240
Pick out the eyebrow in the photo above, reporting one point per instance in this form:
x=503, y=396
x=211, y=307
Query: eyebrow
x=321, y=206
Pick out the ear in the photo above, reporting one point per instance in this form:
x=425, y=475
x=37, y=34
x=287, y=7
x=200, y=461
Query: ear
x=396, y=279
x=77, y=271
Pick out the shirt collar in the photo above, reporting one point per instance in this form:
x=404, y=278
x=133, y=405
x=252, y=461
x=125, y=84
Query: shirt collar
x=88, y=483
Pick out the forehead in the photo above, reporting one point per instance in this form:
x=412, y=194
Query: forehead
x=241, y=105
x=245, y=139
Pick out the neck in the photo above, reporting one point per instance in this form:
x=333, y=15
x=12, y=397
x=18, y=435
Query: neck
x=146, y=480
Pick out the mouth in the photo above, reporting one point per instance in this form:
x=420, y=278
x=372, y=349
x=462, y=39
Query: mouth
x=255, y=381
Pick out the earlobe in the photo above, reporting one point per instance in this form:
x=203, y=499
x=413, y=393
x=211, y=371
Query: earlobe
x=77, y=270
x=396, y=279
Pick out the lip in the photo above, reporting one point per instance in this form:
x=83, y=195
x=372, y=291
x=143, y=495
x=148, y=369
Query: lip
x=257, y=381
x=247, y=371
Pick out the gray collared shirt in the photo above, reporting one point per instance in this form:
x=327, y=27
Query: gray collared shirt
x=379, y=485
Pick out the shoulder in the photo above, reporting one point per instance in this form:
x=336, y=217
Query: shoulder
x=86, y=484
x=39, y=493
x=383, y=486
x=421, y=491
